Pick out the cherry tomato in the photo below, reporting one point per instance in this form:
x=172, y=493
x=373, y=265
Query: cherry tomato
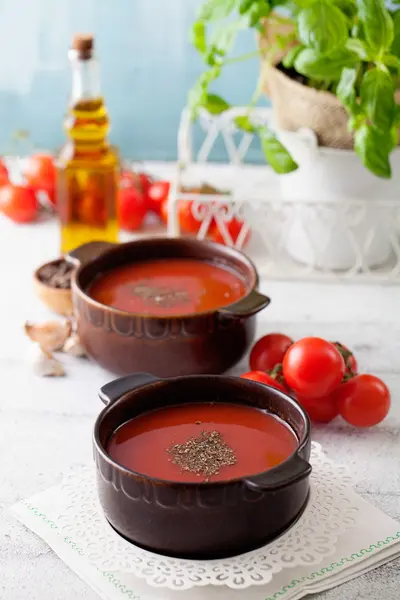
x=157, y=193
x=132, y=207
x=40, y=174
x=18, y=203
x=313, y=367
x=187, y=222
x=3, y=173
x=348, y=357
x=269, y=351
x=142, y=180
x=363, y=401
x=234, y=227
x=320, y=410
x=265, y=379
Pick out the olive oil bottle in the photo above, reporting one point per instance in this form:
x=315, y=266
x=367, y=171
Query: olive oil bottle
x=87, y=165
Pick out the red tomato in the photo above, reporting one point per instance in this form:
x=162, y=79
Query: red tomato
x=363, y=401
x=269, y=351
x=18, y=203
x=265, y=379
x=3, y=173
x=132, y=207
x=320, y=410
x=157, y=193
x=40, y=174
x=313, y=367
x=187, y=222
x=141, y=180
x=348, y=357
x=234, y=227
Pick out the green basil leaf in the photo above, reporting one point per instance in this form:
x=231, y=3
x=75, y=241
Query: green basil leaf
x=198, y=37
x=214, y=10
x=245, y=124
x=360, y=48
x=324, y=68
x=377, y=98
x=397, y=116
x=348, y=7
x=395, y=137
x=374, y=147
x=275, y=153
x=390, y=60
x=395, y=47
x=346, y=91
x=245, y=5
x=322, y=26
x=259, y=11
x=215, y=104
x=377, y=24
x=288, y=60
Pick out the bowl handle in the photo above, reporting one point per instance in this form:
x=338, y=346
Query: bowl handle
x=84, y=254
x=291, y=471
x=247, y=306
x=112, y=391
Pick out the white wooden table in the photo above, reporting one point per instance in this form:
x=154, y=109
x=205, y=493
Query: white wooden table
x=45, y=424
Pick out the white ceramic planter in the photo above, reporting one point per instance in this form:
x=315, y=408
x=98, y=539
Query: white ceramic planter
x=337, y=223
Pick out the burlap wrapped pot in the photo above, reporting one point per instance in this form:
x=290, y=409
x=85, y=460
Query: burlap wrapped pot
x=297, y=105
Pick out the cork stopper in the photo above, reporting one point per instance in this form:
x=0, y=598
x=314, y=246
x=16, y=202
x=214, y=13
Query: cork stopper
x=83, y=44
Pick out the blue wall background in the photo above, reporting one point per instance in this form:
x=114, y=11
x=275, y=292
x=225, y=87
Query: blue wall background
x=147, y=67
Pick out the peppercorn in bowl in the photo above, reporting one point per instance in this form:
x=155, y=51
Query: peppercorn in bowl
x=52, y=283
x=201, y=466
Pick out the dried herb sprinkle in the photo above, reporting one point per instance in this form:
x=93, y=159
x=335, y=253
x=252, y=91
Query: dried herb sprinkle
x=204, y=455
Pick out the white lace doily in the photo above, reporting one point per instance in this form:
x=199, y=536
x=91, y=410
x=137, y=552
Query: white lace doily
x=328, y=514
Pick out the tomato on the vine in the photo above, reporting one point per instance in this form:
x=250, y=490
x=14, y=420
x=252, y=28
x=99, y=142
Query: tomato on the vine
x=264, y=378
x=363, y=400
x=320, y=410
x=313, y=367
x=348, y=357
x=19, y=203
x=40, y=174
x=269, y=351
x=157, y=194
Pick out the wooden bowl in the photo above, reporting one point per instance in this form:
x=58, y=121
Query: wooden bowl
x=57, y=300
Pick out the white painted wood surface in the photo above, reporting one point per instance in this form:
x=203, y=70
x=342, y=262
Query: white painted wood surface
x=45, y=425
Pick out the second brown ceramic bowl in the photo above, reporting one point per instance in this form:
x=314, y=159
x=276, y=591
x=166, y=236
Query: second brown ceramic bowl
x=199, y=520
x=124, y=343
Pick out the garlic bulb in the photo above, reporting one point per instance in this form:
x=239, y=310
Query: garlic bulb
x=45, y=365
x=74, y=347
x=51, y=335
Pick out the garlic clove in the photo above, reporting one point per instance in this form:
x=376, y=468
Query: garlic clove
x=74, y=347
x=45, y=365
x=51, y=335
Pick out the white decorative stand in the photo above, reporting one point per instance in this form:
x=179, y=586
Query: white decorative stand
x=297, y=231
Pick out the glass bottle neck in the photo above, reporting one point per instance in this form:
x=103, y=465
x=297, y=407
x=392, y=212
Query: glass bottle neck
x=85, y=79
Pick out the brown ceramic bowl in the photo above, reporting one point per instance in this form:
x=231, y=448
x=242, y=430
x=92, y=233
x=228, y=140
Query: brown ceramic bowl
x=58, y=300
x=199, y=520
x=125, y=343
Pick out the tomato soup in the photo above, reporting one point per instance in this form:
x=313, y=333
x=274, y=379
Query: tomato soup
x=168, y=287
x=243, y=439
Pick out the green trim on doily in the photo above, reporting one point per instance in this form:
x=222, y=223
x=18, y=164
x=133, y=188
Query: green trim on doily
x=128, y=593
x=335, y=565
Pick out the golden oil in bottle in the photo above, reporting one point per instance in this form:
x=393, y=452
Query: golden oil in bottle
x=87, y=165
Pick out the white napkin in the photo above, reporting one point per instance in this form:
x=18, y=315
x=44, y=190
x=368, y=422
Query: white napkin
x=374, y=541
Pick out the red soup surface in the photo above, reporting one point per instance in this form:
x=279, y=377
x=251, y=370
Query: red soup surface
x=168, y=287
x=257, y=440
